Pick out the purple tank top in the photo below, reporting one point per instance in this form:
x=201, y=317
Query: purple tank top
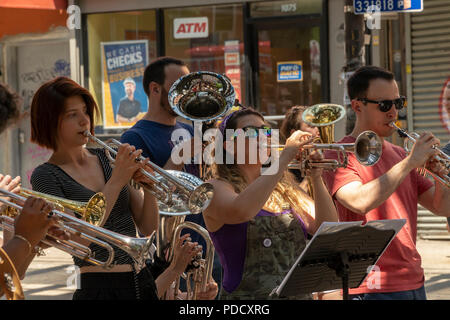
x=230, y=243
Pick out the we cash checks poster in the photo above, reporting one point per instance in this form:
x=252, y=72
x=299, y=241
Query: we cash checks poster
x=124, y=99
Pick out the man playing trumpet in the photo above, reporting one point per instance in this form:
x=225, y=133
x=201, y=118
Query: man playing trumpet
x=391, y=189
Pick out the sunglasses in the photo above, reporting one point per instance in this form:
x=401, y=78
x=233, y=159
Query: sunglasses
x=252, y=132
x=386, y=105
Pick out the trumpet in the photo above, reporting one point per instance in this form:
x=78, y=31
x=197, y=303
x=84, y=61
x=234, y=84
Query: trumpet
x=442, y=157
x=197, y=193
x=91, y=211
x=137, y=248
x=200, y=270
x=367, y=149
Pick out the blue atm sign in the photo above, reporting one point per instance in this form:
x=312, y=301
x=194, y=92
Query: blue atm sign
x=368, y=6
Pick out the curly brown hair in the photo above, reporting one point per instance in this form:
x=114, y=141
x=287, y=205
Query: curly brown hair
x=292, y=121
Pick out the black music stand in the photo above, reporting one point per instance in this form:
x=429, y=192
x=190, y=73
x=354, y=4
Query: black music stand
x=340, y=255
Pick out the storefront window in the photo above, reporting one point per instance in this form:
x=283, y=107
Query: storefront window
x=289, y=68
x=120, y=45
x=208, y=39
x=285, y=8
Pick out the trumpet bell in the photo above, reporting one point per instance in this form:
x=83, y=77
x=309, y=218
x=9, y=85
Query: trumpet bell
x=182, y=203
x=368, y=148
x=201, y=96
x=92, y=211
x=324, y=116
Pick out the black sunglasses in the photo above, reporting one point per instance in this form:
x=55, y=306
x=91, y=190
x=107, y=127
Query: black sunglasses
x=386, y=105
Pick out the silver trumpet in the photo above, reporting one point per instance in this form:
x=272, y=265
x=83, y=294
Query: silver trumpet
x=442, y=157
x=167, y=187
x=137, y=248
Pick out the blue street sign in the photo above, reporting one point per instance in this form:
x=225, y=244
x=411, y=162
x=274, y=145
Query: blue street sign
x=369, y=6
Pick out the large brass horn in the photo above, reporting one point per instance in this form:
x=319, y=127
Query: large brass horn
x=201, y=96
x=137, y=248
x=199, y=273
x=324, y=116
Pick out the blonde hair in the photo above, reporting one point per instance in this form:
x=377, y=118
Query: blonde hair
x=286, y=194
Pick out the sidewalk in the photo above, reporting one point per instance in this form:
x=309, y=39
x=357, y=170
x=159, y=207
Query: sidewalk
x=47, y=276
x=436, y=263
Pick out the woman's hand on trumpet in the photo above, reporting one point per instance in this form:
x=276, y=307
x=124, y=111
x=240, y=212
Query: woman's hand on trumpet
x=126, y=163
x=295, y=143
x=140, y=177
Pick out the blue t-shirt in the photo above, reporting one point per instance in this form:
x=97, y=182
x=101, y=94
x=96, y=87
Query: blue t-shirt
x=155, y=140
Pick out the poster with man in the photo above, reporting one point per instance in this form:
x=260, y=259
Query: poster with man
x=124, y=99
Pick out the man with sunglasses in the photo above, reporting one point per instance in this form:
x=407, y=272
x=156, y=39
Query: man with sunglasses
x=390, y=189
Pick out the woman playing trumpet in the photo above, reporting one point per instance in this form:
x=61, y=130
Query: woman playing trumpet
x=259, y=223
x=61, y=111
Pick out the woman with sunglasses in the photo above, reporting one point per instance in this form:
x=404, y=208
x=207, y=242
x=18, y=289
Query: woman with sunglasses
x=258, y=222
x=390, y=189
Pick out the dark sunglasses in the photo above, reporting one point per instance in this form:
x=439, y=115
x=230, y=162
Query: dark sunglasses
x=253, y=132
x=386, y=105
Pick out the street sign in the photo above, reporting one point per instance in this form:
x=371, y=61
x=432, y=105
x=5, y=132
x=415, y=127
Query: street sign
x=368, y=6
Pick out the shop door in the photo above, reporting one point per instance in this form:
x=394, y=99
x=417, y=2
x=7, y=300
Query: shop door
x=288, y=67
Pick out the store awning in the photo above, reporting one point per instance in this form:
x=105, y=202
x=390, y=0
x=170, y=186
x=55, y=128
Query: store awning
x=35, y=4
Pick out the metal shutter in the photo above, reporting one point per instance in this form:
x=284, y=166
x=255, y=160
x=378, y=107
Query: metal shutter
x=430, y=54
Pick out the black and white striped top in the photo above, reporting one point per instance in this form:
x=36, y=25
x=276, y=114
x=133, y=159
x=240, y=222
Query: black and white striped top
x=51, y=179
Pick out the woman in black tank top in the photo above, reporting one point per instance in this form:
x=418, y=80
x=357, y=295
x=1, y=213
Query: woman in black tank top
x=61, y=111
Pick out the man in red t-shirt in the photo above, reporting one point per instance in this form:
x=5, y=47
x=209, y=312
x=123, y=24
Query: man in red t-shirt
x=390, y=189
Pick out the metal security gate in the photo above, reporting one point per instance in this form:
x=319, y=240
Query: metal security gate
x=430, y=70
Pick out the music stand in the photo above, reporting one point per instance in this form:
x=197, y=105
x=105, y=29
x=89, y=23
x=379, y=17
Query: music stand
x=340, y=255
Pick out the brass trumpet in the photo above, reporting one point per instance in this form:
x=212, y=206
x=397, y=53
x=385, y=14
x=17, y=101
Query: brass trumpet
x=367, y=149
x=91, y=211
x=197, y=193
x=137, y=248
x=442, y=158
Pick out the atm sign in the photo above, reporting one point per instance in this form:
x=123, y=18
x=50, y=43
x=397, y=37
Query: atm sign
x=188, y=28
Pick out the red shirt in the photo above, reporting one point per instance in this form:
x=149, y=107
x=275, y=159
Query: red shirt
x=399, y=268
